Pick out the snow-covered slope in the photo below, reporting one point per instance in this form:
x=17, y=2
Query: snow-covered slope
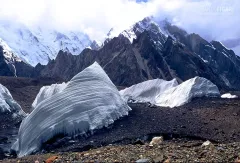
x=8, y=104
x=37, y=45
x=185, y=92
x=148, y=90
x=48, y=91
x=8, y=57
x=8, y=52
x=89, y=101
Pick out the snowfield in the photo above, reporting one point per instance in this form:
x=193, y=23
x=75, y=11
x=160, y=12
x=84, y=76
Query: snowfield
x=90, y=101
x=168, y=93
x=8, y=104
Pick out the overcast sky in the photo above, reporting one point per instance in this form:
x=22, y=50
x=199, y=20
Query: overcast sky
x=213, y=19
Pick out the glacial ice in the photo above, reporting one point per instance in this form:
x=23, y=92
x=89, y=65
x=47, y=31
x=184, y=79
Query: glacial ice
x=168, y=93
x=147, y=90
x=186, y=91
x=90, y=101
x=8, y=104
x=48, y=91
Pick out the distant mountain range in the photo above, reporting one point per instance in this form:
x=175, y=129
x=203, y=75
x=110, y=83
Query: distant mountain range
x=38, y=45
x=151, y=49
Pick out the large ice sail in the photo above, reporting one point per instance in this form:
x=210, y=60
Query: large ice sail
x=89, y=101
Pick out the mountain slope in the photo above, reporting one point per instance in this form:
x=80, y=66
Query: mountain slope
x=11, y=65
x=151, y=55
x=233, y=44
x=38, y=45
x=150, y=50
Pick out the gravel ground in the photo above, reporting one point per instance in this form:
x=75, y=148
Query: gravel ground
x=203, y=119
x=177, y=150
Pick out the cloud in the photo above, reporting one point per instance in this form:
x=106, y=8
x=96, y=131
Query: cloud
x=213, y=19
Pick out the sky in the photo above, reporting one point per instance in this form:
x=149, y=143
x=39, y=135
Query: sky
x=212, y=19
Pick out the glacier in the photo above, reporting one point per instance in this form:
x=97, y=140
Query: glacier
x=8, y=104
x=148, y=90
x=90, y=101
x=186, y=91
x=169, y=93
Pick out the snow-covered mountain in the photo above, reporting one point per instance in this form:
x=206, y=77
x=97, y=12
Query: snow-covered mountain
x=10, y=64
x=158, y=33
x=150, y=49
x=37, y=44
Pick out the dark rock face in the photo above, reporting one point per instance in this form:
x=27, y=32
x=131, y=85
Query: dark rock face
x=153, y=55
x=5, y=69
x=128, y=64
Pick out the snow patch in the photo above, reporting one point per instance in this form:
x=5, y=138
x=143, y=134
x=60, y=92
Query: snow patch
x=211, y=47
x=202, y=59
x=129, y=34
x=229, y=95
x=225, y=54
x=8, y=52
x=90, y=101
x=223, y=45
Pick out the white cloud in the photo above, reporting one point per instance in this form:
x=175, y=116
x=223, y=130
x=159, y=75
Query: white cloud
x=215, y=19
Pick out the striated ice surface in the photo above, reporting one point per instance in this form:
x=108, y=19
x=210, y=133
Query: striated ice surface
x=48, y=91
x=90, y=101
x=185, y=92
x=148, y=90
x=169, y=93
